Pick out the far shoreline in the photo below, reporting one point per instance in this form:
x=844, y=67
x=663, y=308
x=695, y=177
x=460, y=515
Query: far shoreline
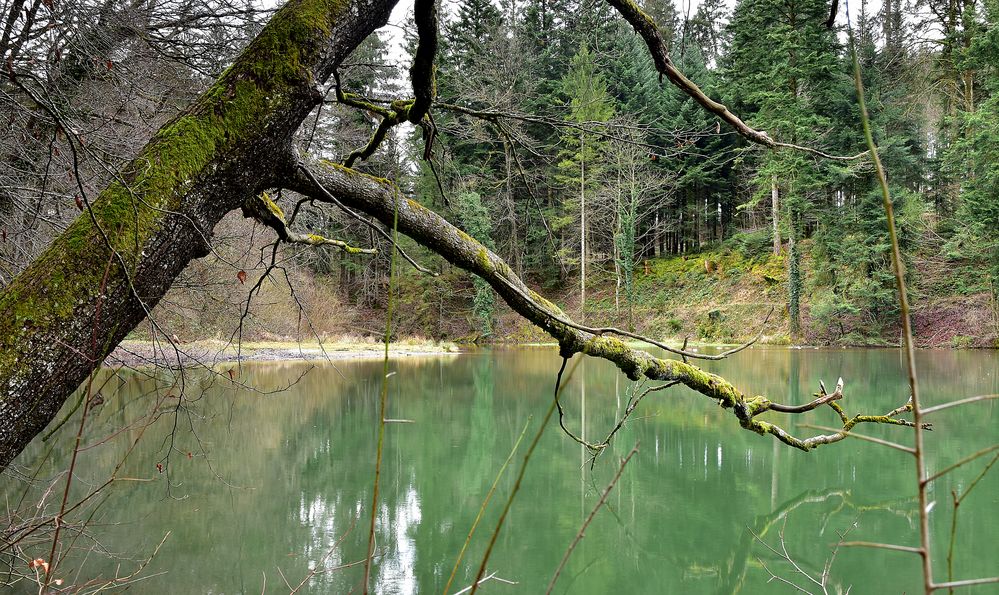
x=210, y=352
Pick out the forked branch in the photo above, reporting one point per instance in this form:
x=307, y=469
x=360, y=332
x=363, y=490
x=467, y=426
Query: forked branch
x=423, y=77
x=263, y=209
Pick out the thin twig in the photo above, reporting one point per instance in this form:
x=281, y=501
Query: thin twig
x=53, y=562
x=482, y=509
x=967, y=583
x=329, y=196
x=883, y=546
x=958, y=499
x=963, y=461
x=523, y=470
x=383, y=406
x=936, y=408
x=903, y=302
x=589, y=519
x=894, y=445
x=491, y=576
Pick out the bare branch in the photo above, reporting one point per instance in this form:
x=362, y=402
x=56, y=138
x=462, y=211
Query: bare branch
x=589, y=519
x=861, y=437
x=482, y=508
x=883, y=546
x=646, y=27
x=958, y=403
x=962, y=462
x=967, y=583
x=421, y=73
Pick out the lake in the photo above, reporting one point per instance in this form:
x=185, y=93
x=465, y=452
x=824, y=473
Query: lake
x=280, y=477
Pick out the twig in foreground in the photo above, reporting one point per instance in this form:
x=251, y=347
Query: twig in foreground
x=482, y=509
x=586, y=523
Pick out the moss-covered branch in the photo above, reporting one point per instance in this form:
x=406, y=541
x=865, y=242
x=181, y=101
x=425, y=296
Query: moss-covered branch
x=321, y=180
x=422, y=73
x=262, y=208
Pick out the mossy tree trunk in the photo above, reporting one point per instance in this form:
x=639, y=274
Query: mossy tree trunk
x=64, y=313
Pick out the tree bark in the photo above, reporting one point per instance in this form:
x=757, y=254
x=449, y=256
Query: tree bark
x=775, y=214
x=65, y=312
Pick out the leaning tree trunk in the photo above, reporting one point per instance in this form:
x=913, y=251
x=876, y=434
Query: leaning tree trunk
x=63, y=314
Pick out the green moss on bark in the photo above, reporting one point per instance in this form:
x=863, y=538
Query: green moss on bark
x=64, y=281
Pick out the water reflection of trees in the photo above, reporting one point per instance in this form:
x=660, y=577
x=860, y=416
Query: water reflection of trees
x=296, y=471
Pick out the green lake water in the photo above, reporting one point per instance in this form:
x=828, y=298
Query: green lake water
x=282, y=479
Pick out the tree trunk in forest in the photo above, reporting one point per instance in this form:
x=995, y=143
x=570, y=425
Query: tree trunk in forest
x=775, y=212
x=515, y=251
x=794, y=282
x=582, y=229
x=617, y=234
x=65, y=312
x=658, y=236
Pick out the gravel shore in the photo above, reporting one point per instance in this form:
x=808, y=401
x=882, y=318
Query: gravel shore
x=141, y=353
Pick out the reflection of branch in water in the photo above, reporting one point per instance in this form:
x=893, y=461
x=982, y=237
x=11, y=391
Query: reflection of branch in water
x=761, y=526
x=596, y=448
x=559, y=385
x=321, y=565
x=589, y=519
x=822, y=582
x=491, y=576
x=957, y=498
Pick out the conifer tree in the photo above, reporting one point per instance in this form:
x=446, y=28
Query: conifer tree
x=582, y=162
x=475, y=219
x=781, y=72
x=978, y=153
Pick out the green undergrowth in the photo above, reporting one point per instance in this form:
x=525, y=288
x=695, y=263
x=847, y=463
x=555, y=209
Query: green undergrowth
x=713, y=295
x=720, y=295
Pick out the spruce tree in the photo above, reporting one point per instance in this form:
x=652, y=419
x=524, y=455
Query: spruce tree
x=582, y=160
x=782, y=74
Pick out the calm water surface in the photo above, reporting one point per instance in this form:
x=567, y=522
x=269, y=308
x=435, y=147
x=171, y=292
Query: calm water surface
x=277, y=479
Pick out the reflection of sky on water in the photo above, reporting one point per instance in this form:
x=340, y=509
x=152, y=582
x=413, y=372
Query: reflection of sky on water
x=324, y=533
x=396, y=569
x=395, y=558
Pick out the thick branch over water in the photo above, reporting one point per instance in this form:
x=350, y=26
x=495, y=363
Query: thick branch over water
x=233, y=143
x=375, y=196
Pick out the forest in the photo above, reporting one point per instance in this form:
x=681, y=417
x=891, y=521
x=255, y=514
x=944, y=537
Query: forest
x=613, y=180
x=566, y=153
x=555, y=144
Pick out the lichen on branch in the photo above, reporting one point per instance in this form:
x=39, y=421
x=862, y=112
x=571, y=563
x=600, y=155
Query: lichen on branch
x=263, y=209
